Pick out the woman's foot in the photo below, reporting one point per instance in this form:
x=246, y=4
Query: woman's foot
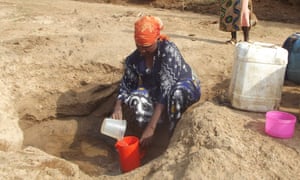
x=231, y=41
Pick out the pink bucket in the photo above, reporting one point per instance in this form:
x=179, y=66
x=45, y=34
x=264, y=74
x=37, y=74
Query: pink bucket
x=280, y=124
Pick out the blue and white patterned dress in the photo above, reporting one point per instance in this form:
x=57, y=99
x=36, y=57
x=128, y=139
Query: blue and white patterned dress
x=169, y=82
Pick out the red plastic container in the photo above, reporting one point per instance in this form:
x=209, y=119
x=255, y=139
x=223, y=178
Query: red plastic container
x=280, y=124
x=129, y=153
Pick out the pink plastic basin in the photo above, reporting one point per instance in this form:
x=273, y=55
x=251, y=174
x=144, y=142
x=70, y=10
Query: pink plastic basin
x=280, y=124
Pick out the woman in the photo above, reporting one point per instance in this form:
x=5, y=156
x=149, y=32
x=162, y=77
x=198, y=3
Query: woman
x=235, y=16
x=156, y=79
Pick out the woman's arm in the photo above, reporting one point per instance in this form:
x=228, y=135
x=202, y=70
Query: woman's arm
x=128, y=83
x=172, y=66
x=117, y=113
x=149, y=131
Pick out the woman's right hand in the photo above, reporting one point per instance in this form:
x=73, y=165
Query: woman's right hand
x=117, y=114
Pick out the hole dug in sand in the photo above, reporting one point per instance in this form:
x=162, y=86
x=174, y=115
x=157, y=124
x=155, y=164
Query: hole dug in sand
x=72, y=132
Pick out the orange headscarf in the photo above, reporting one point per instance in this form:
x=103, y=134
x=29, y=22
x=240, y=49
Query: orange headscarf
x=147, y=30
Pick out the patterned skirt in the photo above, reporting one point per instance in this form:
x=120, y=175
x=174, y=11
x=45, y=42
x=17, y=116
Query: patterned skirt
x=183, y=95
x=234, y=14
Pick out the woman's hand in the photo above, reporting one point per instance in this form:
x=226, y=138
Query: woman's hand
x=117, y=114
x=147, y=135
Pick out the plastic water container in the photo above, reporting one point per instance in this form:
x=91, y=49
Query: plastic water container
x=130, y=154
x=114, y=128
x=292, y=44
x=257, y=76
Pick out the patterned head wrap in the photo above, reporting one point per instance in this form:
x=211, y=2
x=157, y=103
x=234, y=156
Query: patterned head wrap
x=147, y=30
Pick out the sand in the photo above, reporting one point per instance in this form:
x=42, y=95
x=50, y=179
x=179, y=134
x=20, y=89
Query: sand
x=61, y=62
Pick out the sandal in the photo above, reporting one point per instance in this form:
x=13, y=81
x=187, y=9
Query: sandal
x=231, y=41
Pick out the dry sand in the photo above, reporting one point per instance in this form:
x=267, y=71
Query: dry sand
x=61, y=62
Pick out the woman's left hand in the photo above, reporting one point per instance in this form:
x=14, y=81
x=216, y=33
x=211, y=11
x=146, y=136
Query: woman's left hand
x=149, y=131
x=146, y=138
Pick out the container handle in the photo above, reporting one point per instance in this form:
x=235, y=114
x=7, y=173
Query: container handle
x=267, y=45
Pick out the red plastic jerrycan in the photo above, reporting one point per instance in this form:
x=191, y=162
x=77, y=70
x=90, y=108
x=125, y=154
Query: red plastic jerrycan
x=129, y=153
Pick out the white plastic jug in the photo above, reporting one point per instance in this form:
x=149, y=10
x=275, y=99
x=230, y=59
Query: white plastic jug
x=114, y=128
x=257, y=76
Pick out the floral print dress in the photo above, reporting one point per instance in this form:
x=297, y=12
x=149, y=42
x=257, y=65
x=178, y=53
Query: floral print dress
x=170, y=82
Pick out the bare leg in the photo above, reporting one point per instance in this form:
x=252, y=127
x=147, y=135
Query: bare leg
x=246, y=32
x=233, y=39
x=233, y=35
